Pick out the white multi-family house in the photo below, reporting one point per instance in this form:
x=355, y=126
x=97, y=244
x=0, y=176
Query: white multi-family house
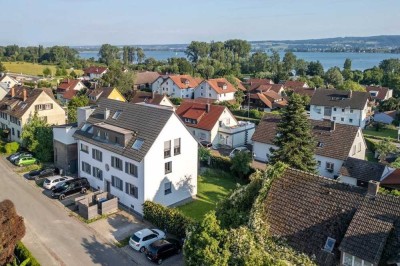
x=95, y=72
x=19, y=106
x=343, y=107
x=175, y=86
x=9, y=81
x=335, y=142
x=122, y=148
x=218, y=89
x=215, y=124
x=379, y=94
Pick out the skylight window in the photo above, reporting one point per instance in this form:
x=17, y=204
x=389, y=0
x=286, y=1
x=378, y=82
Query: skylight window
x=329, y=244
x=137, y=145
x=117, y=114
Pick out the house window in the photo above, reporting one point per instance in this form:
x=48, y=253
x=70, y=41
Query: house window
x=347, y=259
x=342, y=119
x=351, y=111
x=12, y=131
x=84, y=148
x=116, y=163
x=106, y=135
x=18, y=134
x=98, y=173
x=354, y=149
x=167, y=149
x=177, y=146
x=350, y=120
x=359, y=147
x=334, y=109
x=342, y=110
x=86, y=167
x=329, y=166
x=202, y=135
x=117, y=182
x=131, y=169
x=168, y=167
x=97, y=155
x=201, y=94
x=167, y=188
x=131, y=190
x=209, y=95
x=334, y=118
x=319, y=163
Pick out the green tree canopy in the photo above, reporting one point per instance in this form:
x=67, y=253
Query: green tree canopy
x=347, y=64
x=241, y=163
x=73, y=104
x=384, y=148
x=116, y=77
x=295, y=142
x=196, y=50
x=108, y=54
x=334, y=77
x=2, y=67
x=350, y=85
x=315, y=69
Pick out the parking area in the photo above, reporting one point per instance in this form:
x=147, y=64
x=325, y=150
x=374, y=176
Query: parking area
x=113, y=228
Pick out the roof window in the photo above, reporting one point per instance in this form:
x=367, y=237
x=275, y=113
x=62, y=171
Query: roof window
x=137, y=145
x=329, y=244
x=117, y=114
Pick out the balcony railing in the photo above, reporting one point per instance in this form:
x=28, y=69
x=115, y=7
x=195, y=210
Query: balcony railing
x=242, y=125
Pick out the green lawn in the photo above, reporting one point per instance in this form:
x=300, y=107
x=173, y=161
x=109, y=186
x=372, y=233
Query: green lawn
x=213, y=186
x=384, y=132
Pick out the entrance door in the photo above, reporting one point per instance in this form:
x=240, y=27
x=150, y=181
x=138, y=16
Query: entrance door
x=108, y=186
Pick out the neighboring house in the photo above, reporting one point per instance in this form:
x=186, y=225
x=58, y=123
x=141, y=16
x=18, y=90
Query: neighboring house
x=105, y=93
x=277, y=88
x=250, y=84
x=215, y=123
x=95, y=72
x=386, y=117
x=143, y=80
x=3, y=90
x=392, y=180
x=176, y=86
x=218, y=89
x=9, y=81
x=65, y=148
x=266, y=101
x=379, y=94
x=359, y=172
x=151, y=98
x=123, y=148
x=332, y=222
x=343, y=107
x=334, y=143
x=68, y=88
x=20, y=104
x=309, y=92
x=292, y=84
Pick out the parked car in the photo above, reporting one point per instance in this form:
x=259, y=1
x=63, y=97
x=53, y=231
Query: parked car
x=70, y=187
x=18, y=155
x=24, y=161
x=236, y=150
x=41, y=173
x=51, y=182
x=206, y=144
x=143, y=238
x=163, y=249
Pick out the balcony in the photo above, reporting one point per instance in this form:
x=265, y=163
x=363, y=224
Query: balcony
x=241, y=126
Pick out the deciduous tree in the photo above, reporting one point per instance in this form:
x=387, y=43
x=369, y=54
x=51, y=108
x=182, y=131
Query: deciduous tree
x=384, y=148
x=108, y=54
x=73, y=104
x=241, y=163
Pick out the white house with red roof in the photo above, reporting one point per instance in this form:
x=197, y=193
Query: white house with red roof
x=215, y=124
x=218, y=89
x=176, y=86
x=95, y=72
x=68, y=88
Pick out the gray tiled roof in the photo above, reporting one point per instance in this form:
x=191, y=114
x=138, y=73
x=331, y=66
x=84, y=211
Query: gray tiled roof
x=146, y=120
x=362, y=170
x=335, y=143
x=340, y=98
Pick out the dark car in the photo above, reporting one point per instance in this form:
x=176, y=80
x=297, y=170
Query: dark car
x=13, y=158
x=71, y=187
x=162, y=249
x=206, y=144
x=41, y=173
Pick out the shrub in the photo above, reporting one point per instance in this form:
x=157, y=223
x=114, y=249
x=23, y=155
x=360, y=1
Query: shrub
x=222, y=163
x=371, y=145
x=171, y=220
x=176, y=101
x=23, y=253
x=11, y=147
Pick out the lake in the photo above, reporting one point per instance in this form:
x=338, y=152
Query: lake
x=360, y=61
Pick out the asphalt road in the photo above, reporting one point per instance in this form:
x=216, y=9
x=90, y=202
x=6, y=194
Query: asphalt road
x=52, y=235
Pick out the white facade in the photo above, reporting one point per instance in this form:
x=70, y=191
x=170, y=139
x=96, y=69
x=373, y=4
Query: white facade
x=204, y=90
x=97, y=75
x=64, y=134
x=11, y=82
x=168, y=86
x=348, y=116
x=151, y=179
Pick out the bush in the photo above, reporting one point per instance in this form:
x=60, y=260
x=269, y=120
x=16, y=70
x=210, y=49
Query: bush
x=176, y=101
x=371, y=145
x=171, y=220
x=253, y=113
x=22, y=253
x=221, y=163
x=11, y=147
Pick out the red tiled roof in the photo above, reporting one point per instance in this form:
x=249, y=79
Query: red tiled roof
x=382, y=91
x=392, y=179
x=69, y=94
x=199, y=100
x=185, y=81
x=95, y=70
x=239, y=84
x=194, y=110
x=147, y=97
x=219, y=83
x=294, y=84
x=68, y=84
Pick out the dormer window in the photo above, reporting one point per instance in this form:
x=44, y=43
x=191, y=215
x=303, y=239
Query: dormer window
x=224, y=87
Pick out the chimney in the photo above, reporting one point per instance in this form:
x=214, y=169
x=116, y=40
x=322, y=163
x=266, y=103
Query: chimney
x=373, y=188
x=12, y=92
x=83, y=114
x=333, y=125
x=24, y=95
x=350, y=94
x=106, y=114
x=208, y=107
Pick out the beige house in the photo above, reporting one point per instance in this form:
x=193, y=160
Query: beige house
x=19, y=106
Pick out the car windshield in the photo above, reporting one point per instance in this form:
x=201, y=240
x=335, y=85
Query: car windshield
x=62, y=184
x=47, y=181
x=153, y=248
x=135, y=238
x=154, y=231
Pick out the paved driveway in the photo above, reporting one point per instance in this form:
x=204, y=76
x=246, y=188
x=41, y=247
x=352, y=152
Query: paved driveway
x=53, y=236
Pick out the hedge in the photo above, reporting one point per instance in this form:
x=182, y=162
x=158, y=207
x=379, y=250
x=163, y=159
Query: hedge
x=11, y=147
x=22, y=253
x=171, y=220
x=219, y=162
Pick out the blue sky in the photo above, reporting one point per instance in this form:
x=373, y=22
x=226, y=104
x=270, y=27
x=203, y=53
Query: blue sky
x=93, y=22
